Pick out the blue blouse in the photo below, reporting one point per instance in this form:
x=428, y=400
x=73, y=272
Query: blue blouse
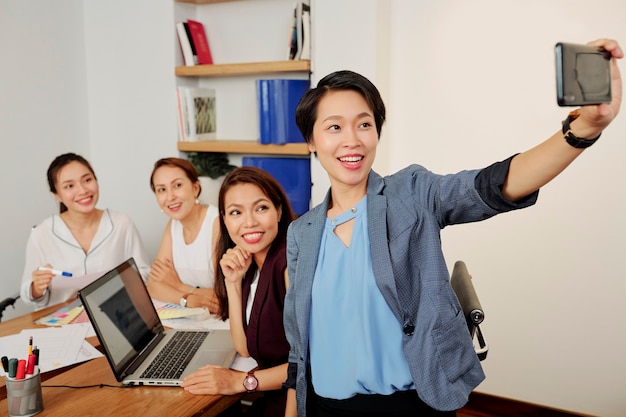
x=355, y=340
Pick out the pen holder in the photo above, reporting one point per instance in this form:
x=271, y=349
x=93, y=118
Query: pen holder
x=24, y=395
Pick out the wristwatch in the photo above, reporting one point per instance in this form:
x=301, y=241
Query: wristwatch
x=250, y=383
x=572, y=139
x=183, y=299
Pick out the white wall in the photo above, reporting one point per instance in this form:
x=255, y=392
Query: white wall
x=43, y=95
x=470, y=83
x=132, y=113
x=95, y=78
x=354, y=35
x=465, y=83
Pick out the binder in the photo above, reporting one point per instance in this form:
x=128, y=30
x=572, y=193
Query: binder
x=292, y=173
x=277, y=101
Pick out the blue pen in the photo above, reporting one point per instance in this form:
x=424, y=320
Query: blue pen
x=55, y=271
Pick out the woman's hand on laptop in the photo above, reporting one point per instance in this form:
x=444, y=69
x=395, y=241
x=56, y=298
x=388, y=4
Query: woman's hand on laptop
x=214, y=380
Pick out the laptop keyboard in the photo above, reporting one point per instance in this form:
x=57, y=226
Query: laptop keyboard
x=171, y=362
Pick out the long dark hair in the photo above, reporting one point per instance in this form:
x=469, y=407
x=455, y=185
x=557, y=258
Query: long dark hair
x=56, y=165
x=272, y=190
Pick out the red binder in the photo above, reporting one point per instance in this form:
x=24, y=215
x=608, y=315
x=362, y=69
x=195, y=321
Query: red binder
x=200, y=41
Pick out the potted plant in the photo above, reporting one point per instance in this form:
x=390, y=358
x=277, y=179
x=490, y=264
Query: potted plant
x=212, y=167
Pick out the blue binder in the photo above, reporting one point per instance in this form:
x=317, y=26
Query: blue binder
x=277, y=102
x=292, y=173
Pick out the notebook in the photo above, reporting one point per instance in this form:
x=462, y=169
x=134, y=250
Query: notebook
x=134, y=339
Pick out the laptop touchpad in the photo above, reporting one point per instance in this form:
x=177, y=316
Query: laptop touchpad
x=213, y=357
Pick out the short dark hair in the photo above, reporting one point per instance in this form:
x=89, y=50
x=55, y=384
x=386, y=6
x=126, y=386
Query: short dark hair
x=306, y=111
x=185, y=165
x=272, y=190
x=56, y=165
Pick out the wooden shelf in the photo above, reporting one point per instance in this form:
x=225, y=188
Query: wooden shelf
x=218, y=70
x=244, y=147
x=203, y=1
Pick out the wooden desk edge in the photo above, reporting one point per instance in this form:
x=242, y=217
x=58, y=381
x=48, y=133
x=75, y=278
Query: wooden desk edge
x=213, y=407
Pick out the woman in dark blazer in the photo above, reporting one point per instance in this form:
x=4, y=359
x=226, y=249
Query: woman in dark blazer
x=251, y=283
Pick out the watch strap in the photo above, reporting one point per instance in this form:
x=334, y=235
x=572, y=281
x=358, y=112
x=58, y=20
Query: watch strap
x=250, y=382
x=573, y=140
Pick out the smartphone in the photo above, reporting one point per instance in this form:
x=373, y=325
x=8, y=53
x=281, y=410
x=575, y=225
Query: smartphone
x=583, y=75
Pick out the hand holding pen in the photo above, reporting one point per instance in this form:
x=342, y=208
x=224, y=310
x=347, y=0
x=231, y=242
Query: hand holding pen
x=55, y=271
x=42, y=277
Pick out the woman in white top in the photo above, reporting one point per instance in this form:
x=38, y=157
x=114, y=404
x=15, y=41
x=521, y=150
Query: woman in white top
x=81, y=240
x=183, y=271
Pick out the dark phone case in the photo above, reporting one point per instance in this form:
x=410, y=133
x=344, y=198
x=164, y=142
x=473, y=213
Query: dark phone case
x=583, y=75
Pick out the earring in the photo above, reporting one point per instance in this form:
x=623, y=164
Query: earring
x=162, y=211
x=197, y=201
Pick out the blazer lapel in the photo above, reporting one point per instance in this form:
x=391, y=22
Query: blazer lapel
x=308, y=253
x=377, y=225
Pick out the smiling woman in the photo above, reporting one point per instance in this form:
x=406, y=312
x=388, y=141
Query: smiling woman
x=367, y=268
x=81, y=239
x=183, y=269
x=251, y=283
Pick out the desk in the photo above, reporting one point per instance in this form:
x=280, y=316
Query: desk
x=135, y=401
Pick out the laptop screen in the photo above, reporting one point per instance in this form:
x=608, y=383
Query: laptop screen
x=122, y=313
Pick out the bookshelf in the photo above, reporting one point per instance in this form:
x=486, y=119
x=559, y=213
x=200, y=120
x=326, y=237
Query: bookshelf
x=219, y=70
x=236, y=72
x=203, y=1
x=244, y=147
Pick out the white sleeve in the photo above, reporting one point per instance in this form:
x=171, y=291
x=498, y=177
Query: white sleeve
x=33, y=260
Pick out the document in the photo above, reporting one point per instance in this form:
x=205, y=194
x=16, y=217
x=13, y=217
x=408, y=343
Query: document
x=58, y=346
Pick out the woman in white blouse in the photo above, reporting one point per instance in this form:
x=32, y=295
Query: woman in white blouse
x=80, y=240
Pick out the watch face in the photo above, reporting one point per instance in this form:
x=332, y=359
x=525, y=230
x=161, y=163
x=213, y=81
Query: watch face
x=250, y=382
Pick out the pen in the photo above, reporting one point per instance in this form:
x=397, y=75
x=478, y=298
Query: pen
x=55, y=271
x=5, y=364
x=30, y=346
x=36, y=353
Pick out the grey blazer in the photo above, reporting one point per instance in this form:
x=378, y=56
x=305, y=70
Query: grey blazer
x=406, y=212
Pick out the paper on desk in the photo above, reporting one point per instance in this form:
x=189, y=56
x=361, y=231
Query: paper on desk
x=75, y=283
x=58, y=346
x=212, y=323
x=62, y=346
x=66, y=288
x=90, y=332
x=65, y=315
x=175, y=311
x=207, y=321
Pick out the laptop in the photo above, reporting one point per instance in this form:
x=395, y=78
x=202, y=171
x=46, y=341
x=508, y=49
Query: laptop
x=134, y=340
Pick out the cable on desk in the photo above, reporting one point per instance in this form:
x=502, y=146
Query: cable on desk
x=89, y=386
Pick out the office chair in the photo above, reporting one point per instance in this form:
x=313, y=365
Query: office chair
x=461, y=282
x=10, y=301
